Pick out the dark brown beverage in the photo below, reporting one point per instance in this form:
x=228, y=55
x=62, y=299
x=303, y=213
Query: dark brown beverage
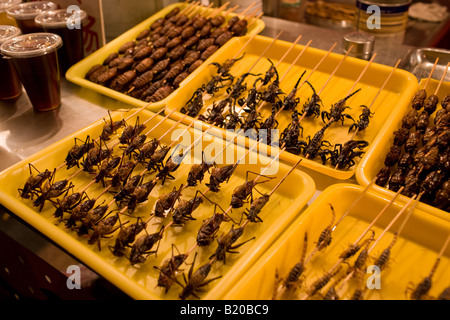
x=24, y=14
x=10, y=86
x=35, y=58
x=41, y=79
x=28, y=26
x=68, y=25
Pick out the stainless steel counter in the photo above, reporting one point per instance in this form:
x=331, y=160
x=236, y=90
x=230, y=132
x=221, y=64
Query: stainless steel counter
x=24, y=132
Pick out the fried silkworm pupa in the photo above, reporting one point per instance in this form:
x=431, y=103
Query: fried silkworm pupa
x=125, y=64
x=173, y=72
x=160, y=94
x=188, y=32
x=156, y=32
x=115, y=62
x=143, y=34
x=152, y=89
x=174, y=32
x=182, y=20
x=142, y=53
x=159, y=53
x=208, y=52
x=144, y=65
x=195, y=65
x=199, y=22
x=190, y=57
x=431, y=104
x=383, y=176
x=160, y=42
x=176, y=52
x=110, y=58
x=126, y=46
x=232, y=22
x=239, y=28
x=106, y=76
x=178, y=63
x=192, y=41
x=137, y=93
x=95, y=72
x=161, y=66
x=217, y=32
x=205, y=30
x=142, y=80
x=174, y=42
x=172, y=13
x=419, y=99
x=223, y=38
x=166, y=27
x=156, y=24
x=119, y=82
x=179, y=78
x=205, y=43
x=217, y=21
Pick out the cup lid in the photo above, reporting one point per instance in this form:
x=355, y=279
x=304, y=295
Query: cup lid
x=8, y=32
x=61, y=18
x=5, y=4
x=31, y=45
x=29, y=10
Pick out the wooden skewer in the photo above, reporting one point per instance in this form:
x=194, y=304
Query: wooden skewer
x=329, y=78
x=276, y=65
x=382, y=234
x=216, y=11
x=251, y=14
x=248, y=8
x=431, y=73
x=187, y=7
x=336, y=265
x=442, y=79
x=378, y=93
x=256, y=18
x=233, y=9
x=193, y=7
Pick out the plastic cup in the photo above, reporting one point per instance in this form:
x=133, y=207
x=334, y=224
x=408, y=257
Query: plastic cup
x=5, y=5
x=69, y=26
x=34, y=56
x=10, y=85
x=24, y=14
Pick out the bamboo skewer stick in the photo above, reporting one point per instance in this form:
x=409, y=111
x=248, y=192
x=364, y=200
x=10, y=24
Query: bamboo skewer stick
x=386, y=229
x=337, y=264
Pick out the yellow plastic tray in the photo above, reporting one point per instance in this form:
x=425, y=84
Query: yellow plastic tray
x=412, y=257
x=373, y=162
x=77, y=72
x=395, y=94
x=140, y=282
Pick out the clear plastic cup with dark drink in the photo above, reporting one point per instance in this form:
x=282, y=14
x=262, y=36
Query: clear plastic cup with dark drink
x=24, y=14
x=10, y=86
x=5, y=5
x=68, y=24
x=35, y=58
